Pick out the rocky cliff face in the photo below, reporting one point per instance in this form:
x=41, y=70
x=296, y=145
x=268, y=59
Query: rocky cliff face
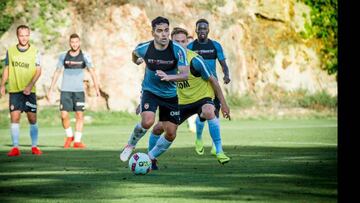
x=260, y=40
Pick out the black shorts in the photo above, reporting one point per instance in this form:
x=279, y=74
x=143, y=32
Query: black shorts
x=217, y=106
x=168, y=107
x=21, y=102
x=72, y=101
x=188, y=110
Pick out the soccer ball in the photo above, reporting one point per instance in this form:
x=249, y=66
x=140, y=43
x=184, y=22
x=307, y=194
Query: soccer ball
x=140, y=163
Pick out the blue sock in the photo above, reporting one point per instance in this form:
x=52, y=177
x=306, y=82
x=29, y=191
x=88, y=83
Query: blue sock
x=214, y=129
x=15, y=132
x=199, y=128
x=34, y=134
x=152, y=141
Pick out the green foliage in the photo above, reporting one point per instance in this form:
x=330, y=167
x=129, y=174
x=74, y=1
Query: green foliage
x=319, y=100
x=48, y=19
x=6, y=18
x=324, y=26
x=240, y=101
x=210, y=5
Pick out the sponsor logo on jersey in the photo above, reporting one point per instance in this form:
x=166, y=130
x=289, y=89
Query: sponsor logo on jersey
x=20, y=64
x=202, y=51
x=74, y=62
x=160, y=62
x=183, y=84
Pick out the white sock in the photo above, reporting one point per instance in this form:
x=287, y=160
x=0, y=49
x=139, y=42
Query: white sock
x=137, y=134
x=161, y=146
x=69, y=132
x=78, y=136
x=15, y=132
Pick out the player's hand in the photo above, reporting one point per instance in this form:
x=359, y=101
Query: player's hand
x=226, y=79
x=137, y=111
x=2, y=89
x=162, y=75
x=27, y=90
x=139, y=61
x=225, y=111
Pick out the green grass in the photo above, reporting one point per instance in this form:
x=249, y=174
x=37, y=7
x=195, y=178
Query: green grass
x=272, y=161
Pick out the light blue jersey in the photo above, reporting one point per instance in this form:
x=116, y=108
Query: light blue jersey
x=73, y=77
x=167, y=60
x=210, y=51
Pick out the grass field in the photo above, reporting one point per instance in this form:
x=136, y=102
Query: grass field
x=272, y=161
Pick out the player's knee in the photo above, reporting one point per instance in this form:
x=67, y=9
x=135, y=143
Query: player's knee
x=170, y=136
x=208, y=112
x=79, y=118
x=147, y=123
x=157, y=129
x=32, y=121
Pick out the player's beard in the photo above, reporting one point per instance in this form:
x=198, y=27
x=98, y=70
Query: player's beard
x=75, y=50
x=24, y=44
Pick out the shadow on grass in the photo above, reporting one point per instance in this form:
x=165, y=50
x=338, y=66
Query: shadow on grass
x=254, y=173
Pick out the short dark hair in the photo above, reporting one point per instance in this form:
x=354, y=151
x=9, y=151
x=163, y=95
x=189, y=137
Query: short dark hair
x=202, y=20
x=21, y=27
x=74, y=35
x=158, y=20
x=178, y=30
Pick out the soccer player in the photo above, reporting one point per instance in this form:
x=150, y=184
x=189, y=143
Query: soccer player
x=210, y=50
x=22, y=69
x=72, y=98
x=165, y=64
x=196, y=97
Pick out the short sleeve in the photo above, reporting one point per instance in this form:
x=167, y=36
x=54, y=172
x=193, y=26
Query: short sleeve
x=38, y=59
x=219, y=51
x=201, y=67
x=60, y=63
x=190, y=45
x=88, y=61
x=141, y=49
x=7, y=59
x=180, y=54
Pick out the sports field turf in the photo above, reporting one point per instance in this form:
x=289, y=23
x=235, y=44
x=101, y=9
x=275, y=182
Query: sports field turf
x=272, y=161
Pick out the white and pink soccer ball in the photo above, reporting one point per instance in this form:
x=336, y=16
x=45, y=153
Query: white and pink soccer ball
x=140, y=163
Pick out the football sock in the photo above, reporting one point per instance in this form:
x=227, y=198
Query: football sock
x=15, y=132
x=137, y=134
x=161, y=146
x=199, y=128
x=214, y=128
x=152, y=141
x=78, y=136
x=69, y=132
x=34, y=134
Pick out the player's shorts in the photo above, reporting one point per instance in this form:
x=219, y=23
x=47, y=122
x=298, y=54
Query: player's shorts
x=21, y=102
x=72, y=101
x=188, y=110
x=217, y=106
x=168, y=107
